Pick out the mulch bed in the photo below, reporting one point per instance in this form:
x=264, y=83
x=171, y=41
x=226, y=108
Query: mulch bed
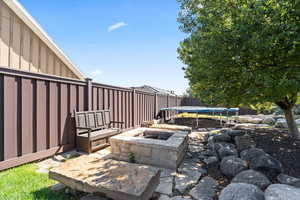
x=282, y=147
x=278, y=144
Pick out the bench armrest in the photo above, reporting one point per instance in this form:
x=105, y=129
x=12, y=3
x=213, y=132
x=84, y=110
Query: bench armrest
x=85, y=128
x=115, y=122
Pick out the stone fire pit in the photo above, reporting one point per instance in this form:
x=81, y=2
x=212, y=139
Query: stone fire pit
x=158, y=147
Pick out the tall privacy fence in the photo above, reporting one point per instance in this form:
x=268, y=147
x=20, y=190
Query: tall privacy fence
x=36, y=112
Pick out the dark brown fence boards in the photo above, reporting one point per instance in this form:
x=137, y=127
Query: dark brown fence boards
x=35, y=116
x=36, y=112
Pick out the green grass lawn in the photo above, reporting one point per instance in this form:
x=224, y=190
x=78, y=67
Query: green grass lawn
x=23, y=183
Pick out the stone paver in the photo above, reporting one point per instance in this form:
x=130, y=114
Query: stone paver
x=116, y=179
x=165, y=186
x=185, y=180
x=57, y=187
x=205, y=189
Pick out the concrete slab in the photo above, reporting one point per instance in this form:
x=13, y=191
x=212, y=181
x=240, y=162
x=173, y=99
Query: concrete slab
x=116, y=179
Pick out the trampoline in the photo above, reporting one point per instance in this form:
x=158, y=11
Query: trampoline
x=200, y=109
x=203, y=110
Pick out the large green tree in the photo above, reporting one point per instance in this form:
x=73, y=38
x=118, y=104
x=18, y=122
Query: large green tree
x=243, y=52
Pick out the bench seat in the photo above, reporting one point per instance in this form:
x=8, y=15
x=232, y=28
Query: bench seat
x=100, y=134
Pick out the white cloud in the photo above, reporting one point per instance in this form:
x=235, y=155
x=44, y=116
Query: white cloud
x=97, y=72
x=116, y=26
x=95, y=75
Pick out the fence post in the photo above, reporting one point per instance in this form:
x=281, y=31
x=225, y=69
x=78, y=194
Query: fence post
x=133, y=108
x=89, y=94
x=155, y=105
x=167, y=100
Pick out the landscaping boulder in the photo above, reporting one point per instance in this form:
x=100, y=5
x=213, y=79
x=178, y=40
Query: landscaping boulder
x=269, y=120
x=227, y=150
x=250, y=119
x=282, y=192
x=211, y=143
x=252, y=177
x=211, y=160
x=251, y=153
x=266, y=164
x=241, y=191
x=231, y=166
x=244, y=142
x=281, y=123
x=223, y=145
x=249, y=126
x=234, y=133
x=222, y=137
x=205, y=190
x=288, y=180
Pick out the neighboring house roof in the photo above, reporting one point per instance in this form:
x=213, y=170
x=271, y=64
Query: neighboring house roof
x=18, y=9
x=148, y=88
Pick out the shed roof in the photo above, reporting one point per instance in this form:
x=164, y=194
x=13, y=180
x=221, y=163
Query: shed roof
x=20, y=11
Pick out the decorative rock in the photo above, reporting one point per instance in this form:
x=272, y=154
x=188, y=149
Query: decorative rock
x=223, y=137
x=281, y=123
x=241, y=191
x=244, y=142
x=250, y=119
x=250, y=126
x=269, y=120
x=195, y=148
x=211, y=160
x=251, y=153
x=164, y=197
x=231, y=166
x=234, y=133
x=208, y=153
x=288, y=180
x=227, y=150
x=224, y=145
x=211, y=143
x=165, y=186
x=205, y=189
x=266, y=164
x=180, y=198
x=252, y=177
x=282, y=192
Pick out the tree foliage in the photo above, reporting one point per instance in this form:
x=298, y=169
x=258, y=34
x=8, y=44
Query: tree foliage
x=242, y=51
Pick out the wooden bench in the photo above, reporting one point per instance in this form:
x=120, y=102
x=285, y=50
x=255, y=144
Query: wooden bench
x=93, y=129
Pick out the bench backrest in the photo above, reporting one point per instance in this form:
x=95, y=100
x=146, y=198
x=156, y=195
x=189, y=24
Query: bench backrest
x=97, y=120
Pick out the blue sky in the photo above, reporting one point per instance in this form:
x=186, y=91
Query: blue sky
x=118, y=42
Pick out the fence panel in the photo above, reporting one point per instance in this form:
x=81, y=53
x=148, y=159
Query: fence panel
x=36, y=112
x=35, y=115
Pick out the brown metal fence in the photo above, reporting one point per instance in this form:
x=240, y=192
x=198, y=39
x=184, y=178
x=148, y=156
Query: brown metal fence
x=36, y=112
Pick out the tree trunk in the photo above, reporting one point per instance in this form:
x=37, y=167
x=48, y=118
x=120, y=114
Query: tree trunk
x=292, y=126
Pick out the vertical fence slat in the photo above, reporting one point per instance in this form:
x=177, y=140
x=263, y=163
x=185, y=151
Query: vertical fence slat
x=10, y=116
x=27, y=116
x=63, y=114
x=1, y=117
x=53, y=111
x=41, y=137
